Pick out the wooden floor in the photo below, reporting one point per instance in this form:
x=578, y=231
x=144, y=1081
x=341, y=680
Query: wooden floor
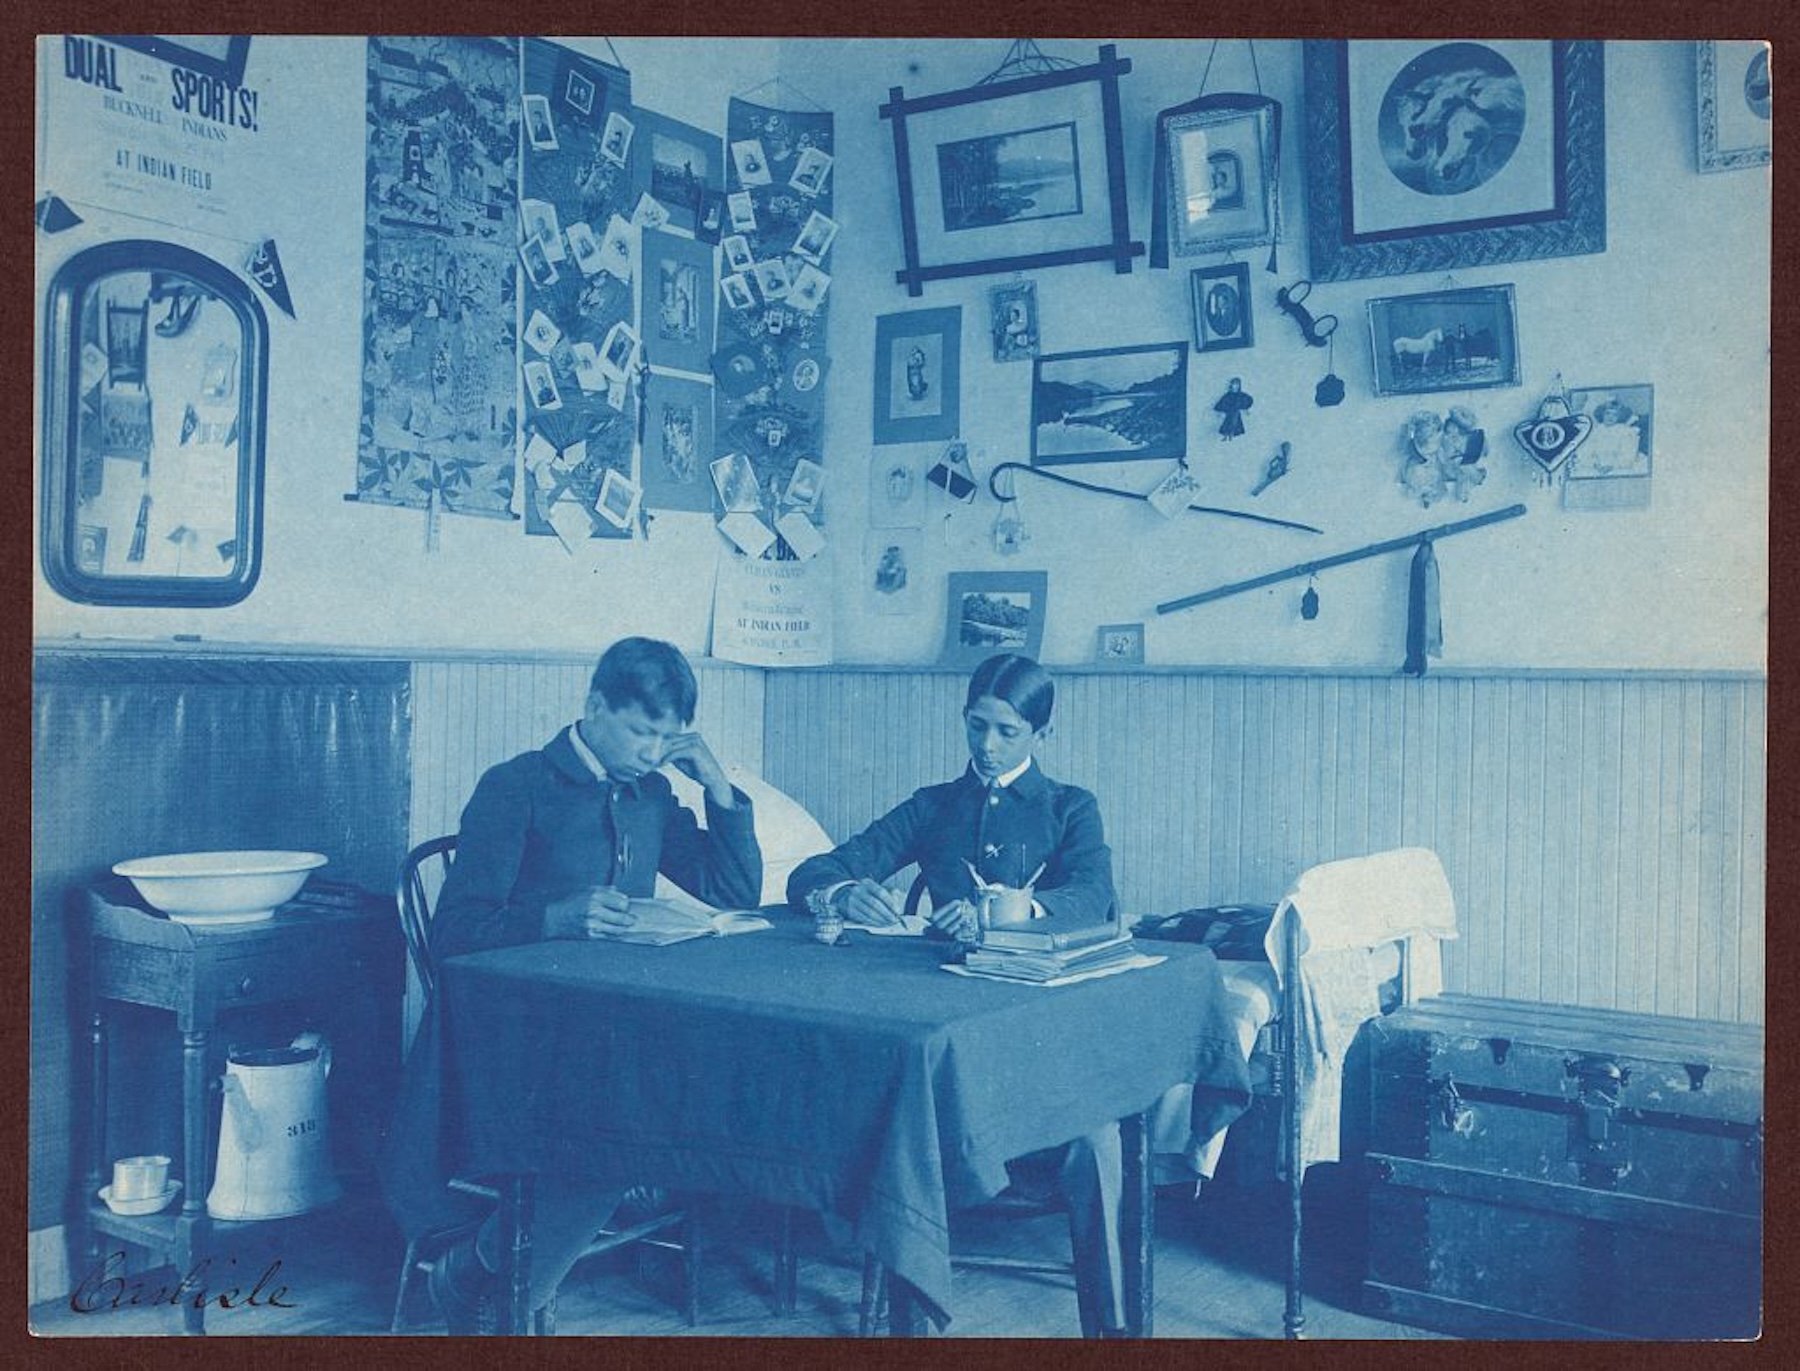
x=1219, y=1267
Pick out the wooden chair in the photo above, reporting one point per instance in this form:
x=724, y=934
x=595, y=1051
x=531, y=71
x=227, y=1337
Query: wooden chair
x=421, y=877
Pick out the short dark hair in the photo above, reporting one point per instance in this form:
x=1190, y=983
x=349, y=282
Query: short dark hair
x=647, y=672
x=1020, y=682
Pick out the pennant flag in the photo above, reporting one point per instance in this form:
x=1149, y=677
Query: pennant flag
x=264, y=267
x=54, y=215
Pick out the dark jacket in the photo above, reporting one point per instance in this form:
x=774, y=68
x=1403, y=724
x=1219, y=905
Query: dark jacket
x=1004, y=835
x=542, y=826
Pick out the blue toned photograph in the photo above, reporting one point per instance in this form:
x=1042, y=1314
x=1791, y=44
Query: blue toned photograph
x=1444, y=340
x=1109, y=405
x=1008, y=178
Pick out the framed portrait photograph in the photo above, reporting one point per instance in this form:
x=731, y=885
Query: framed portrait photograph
x=1731, y=101
x=1223, y=179
x=1611, y=468
x=1119, y=645
x=1109, y=405
x=1012, y=174
x=677, y=306
x=1221, y=300
x=918, y=363
x=1427, y=156
x=1013, y=320
x=677, y=164
x=1444, y=340
x=993, y=611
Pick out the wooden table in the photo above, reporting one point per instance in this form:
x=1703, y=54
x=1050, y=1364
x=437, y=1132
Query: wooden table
x=310, y=955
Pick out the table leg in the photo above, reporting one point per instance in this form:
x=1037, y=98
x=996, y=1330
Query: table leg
x=516, y=1195
x=1137, y=1223
x=191, y=1228
x=97, y=1143
x=905, y=1318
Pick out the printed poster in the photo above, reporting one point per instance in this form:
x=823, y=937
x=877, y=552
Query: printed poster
x=439, y=275
x=772, y=613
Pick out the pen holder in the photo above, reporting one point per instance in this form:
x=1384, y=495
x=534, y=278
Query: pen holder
x=1004, y=905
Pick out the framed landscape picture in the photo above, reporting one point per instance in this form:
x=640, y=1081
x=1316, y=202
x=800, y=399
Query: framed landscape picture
x=993, y=611
x=1444, y=340
x=1012, y=174
x=1427, y=156
x=678, y=164
x=1109, y=405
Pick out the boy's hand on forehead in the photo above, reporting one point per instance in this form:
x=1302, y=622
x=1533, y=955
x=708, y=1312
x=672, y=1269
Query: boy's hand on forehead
x=689, y=754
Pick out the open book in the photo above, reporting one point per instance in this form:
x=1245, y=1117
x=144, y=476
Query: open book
x=663, y=921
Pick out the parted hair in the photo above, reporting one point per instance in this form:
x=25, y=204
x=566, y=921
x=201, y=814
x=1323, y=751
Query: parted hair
x=646, y=672
x=1017, y=680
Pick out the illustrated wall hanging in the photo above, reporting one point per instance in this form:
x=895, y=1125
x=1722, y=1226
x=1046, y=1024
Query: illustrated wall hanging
x=439, y=254
x=918, y=375
x=1425, y=155
x=1015, y=172
x=773, y=310
x=580, y=224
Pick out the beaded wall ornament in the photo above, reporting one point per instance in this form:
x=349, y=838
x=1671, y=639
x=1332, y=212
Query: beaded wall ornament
x=1009, y=530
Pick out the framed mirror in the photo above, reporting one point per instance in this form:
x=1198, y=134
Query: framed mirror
x=155, y=379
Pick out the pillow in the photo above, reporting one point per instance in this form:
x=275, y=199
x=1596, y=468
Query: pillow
x=785, y=832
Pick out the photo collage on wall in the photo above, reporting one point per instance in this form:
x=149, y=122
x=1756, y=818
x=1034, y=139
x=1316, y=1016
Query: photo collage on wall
x=578, y=253
x=438, y=276
x=773, y=301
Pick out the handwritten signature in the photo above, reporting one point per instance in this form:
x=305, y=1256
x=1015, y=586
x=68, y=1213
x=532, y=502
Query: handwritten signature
x=105, y=1286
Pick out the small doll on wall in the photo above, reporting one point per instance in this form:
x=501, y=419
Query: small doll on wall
x=1232, y=405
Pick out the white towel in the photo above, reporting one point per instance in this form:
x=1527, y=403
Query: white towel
x=1338, y=910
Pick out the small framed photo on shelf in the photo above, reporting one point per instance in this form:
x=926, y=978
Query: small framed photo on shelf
x=1221, y=297
x=993, y=611
x=1119, y=645
x=1444, y=340
x=1731, y=90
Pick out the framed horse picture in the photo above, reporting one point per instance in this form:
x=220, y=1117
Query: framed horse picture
x=1444, y=340
x=1425, y=155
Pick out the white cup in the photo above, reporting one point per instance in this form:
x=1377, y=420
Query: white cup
x=1008, y=905
x=140, y=1178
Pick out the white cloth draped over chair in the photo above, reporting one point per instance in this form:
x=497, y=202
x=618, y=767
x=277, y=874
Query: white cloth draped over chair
x=1341, y=910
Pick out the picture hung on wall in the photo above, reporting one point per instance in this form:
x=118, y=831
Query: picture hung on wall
x=918, y=361
x=1221, y=300
x=1611, y=468
x=1012, y=174
x=676, y=307
x=1109, y=405
x=993, y=611
x=678, y=165
x=1013, y=320
x=1731, y=88
x=1120, y=644
x=896, y=491
x=1444, y=340
x=677, y=442
x=1428, y=156
x=892, y=579
x=1223, y=175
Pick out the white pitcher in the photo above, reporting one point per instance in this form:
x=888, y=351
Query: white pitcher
x=274, y=1146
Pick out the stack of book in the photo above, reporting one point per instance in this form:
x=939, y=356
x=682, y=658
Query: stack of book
x=1047, y=949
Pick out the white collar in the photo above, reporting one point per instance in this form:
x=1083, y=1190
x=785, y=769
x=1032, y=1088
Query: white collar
x=586, y=753
x=1002, y=781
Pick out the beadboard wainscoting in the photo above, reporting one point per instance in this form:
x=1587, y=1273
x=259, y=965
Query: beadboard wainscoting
x=1604, y=835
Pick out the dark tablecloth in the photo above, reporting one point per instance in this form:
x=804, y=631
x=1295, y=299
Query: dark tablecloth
x=863, y=1081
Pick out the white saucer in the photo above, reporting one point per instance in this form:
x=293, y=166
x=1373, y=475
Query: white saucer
x=133, y=1208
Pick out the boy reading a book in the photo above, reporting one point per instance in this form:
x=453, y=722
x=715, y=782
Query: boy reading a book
x=554, y=844
x=1004, y=819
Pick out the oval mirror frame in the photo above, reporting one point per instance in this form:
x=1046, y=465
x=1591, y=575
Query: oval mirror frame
x=69, y=560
